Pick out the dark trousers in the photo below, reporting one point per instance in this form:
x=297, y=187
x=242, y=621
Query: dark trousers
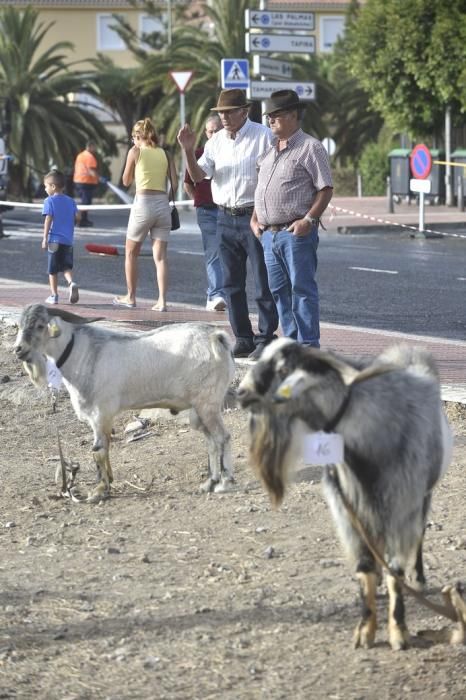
x=85, y=193
x=237, y=243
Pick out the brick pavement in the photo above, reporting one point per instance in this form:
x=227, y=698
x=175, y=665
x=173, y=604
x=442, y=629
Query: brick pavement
x=449, y=354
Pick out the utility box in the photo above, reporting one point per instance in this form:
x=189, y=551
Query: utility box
x=400, y=174
x=437, y=177
x=459, y=156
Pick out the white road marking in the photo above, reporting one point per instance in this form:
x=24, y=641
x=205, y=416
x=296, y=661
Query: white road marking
x=374, y=269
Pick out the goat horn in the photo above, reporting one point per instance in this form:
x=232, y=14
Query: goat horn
x=73, y=318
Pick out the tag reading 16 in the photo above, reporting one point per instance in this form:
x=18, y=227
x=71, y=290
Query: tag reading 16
x=323, y=448
x=54, y=378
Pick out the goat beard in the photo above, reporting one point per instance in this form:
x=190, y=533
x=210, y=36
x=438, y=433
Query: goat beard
x=36, y=369
x=270, y=449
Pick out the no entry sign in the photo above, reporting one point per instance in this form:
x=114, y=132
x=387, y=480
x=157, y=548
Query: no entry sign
x=420, y=162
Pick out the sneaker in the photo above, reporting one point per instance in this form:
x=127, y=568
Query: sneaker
x=257, y=352
x=74, y=293
x=243, y=348
x=52, y=299
x=216, y=304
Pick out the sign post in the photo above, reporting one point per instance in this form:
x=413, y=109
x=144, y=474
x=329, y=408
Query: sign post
x=420, y=162
x=181, y=80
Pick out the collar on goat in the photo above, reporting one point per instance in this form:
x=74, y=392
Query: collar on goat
x=66, y=353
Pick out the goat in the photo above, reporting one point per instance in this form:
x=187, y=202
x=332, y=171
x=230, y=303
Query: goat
x=397, y=444
x=178, y=367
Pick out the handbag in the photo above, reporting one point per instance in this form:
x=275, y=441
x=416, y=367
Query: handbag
x=175, y=219
x=174, y=211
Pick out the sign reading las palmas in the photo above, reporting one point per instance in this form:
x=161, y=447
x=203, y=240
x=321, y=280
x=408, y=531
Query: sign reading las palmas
x=279, y=20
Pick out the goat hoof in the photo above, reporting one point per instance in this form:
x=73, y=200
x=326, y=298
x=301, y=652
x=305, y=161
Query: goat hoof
x=226, y=484
x=208, y=485
x=101, y=493
x=364, y=636
x=399, y=639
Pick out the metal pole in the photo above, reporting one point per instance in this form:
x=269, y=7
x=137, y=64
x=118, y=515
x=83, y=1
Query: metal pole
x=460, y=191
x=448, y=178
x=421, y=211
x=263, y=6
x=389, y=196
x=183, y=155
x=169, y=22
x=359, y=184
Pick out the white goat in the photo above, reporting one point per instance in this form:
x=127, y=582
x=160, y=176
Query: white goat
x=397, y=444
x=178, y=367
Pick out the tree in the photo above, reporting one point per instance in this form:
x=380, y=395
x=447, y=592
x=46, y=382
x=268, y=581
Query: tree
x=409, y=57
x=42, y=124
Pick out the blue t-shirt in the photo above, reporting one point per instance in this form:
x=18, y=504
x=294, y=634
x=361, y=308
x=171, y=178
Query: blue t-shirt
x=63, y=210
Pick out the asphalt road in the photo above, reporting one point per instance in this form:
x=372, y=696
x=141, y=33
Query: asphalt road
x=384, y=281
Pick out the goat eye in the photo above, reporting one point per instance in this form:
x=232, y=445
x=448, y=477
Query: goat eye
x=40, y=326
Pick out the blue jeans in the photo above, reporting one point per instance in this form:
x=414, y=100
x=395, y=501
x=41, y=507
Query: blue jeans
x=237, y=244
x=207, y=221
x=291, y=267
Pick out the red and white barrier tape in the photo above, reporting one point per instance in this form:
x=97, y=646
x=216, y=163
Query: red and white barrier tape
x=360, y=215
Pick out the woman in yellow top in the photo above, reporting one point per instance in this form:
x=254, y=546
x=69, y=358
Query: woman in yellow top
x=147, y=164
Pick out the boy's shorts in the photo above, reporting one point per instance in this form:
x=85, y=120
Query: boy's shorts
x=60, y=260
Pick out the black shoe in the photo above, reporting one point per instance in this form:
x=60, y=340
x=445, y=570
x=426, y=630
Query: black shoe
x=257, y=352
x=86, y=223
x=243, y=348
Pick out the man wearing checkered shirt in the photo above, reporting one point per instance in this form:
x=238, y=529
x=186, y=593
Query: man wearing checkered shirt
x=294, y=188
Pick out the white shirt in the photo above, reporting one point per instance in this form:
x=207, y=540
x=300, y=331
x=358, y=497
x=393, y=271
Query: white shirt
x=231, y=163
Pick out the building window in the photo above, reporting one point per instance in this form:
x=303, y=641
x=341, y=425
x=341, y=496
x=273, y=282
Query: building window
x=107, y=38
x=330, y=29
x=148, y=24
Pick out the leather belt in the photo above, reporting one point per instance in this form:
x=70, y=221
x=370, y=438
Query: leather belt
x=277, y=227
x=207, y=206
x=237, y=211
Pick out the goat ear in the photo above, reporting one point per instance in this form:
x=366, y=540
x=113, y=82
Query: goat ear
x=347, y=373
x=73, y=318
x=54, y=329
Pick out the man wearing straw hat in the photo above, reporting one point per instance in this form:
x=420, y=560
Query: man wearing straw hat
x=294, y=189
x=229, y=159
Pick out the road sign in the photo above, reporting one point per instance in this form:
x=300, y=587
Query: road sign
x=287, y=43
x=181, y=78
x=271, y=67
x=262, y=89
x=279, y=20
x=235, y=73
x=329, y=145
x=420, y=161
x=420, y=186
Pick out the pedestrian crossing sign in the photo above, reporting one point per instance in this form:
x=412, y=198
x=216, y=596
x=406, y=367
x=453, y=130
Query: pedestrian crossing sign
x=235, y=73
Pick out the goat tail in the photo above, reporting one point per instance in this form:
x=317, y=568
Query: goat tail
x=220, y=344
x=269, y=446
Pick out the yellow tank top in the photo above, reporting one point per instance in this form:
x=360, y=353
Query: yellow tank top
x=151, y=169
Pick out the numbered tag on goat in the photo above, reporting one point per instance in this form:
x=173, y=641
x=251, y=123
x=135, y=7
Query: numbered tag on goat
x=54, y=377
x=323, y=448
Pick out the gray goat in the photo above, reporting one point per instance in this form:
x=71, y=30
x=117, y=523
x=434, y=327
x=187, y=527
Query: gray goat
x=178, y=367
x=397, y=444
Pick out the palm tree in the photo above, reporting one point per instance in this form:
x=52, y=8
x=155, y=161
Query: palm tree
x=42, y=124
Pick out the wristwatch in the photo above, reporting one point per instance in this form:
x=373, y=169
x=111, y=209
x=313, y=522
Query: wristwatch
x=314, y=221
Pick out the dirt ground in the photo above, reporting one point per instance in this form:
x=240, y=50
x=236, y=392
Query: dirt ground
x=162, y=592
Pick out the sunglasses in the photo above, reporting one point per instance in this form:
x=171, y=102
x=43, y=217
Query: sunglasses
x=278, y=115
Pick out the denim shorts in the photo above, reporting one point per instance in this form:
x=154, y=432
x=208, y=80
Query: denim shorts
x=60, y=260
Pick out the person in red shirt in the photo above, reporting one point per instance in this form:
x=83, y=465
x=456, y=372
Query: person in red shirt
x=206, y=212
x=86, y=178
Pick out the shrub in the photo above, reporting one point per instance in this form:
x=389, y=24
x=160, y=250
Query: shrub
x=374, y=168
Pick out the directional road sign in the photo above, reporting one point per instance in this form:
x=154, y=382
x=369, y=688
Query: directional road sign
x=286, y=43
x=420, y=161
x=279, y=20
x=270, y=67
x=235, y=73
x=262, y=89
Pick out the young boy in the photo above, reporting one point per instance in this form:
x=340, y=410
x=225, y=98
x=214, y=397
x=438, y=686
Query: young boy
x=60, y=214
